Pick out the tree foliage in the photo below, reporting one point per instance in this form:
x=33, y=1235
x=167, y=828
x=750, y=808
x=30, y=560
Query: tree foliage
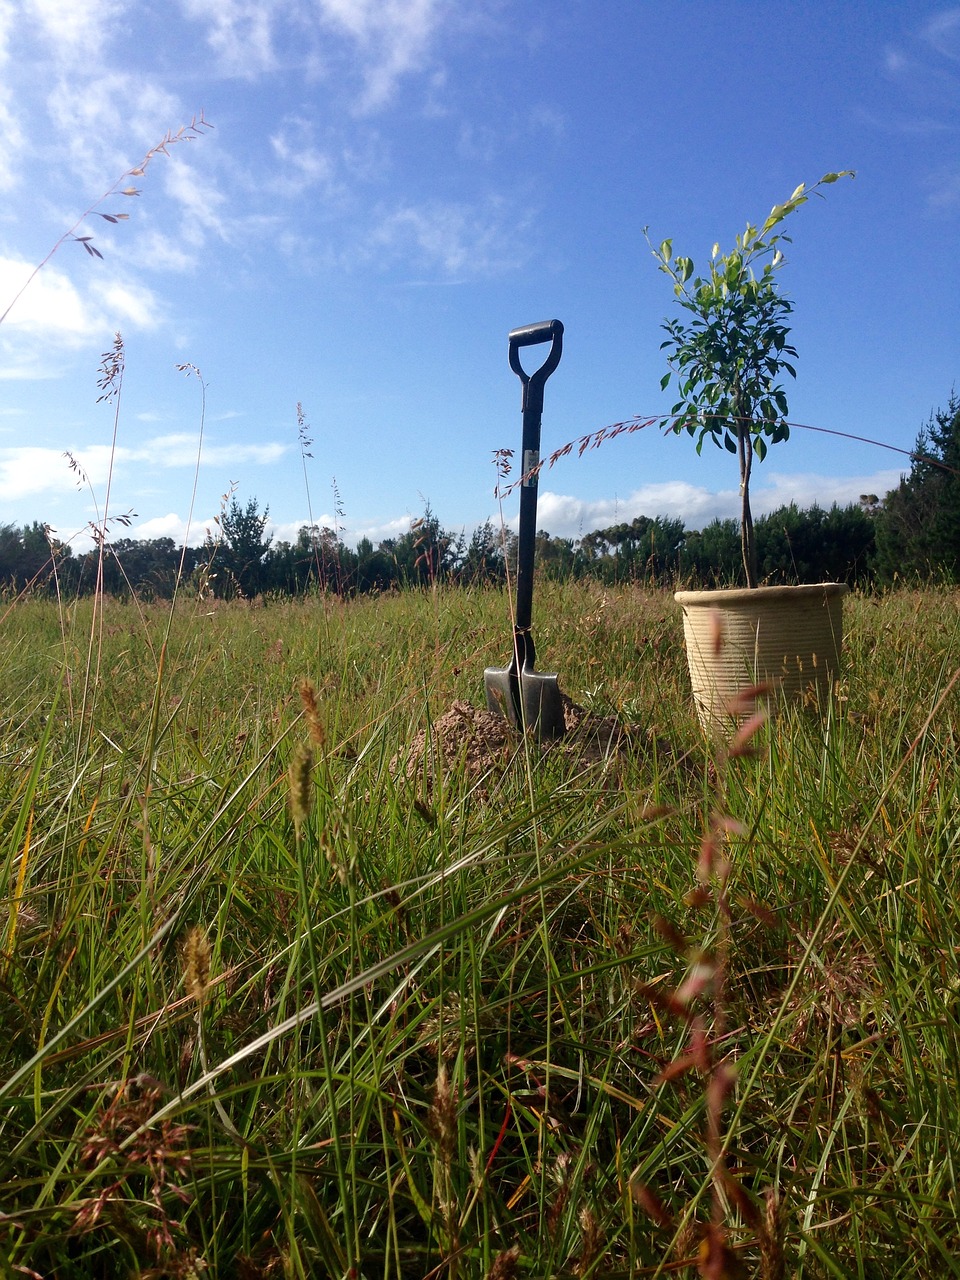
x=245, y=546
x=918, y=523
x=730, y=349
x=793, y=546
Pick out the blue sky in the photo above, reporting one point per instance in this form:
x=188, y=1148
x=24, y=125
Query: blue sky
x=390, y=186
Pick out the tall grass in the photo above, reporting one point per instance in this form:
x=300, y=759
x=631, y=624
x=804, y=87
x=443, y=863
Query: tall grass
x=274, y=1007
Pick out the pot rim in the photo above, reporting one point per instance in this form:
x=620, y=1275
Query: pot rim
x=756, y=595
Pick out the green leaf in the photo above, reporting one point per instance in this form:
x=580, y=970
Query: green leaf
x=665, y=382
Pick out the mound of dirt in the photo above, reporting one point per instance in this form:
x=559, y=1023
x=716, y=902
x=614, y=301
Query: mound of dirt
x=463, y=736
x=482, y=744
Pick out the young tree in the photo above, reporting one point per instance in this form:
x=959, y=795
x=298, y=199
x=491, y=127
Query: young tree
x=483, y=559
x=729, y=348
x=246, y=545
x=918, y=524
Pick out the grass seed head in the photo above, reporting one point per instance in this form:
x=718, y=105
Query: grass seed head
x=591, y=1240
x=311, y=709
x=772, y=1264
x=442, y=1117
x=299, y=774
x=505, y=1264
x=196, y=963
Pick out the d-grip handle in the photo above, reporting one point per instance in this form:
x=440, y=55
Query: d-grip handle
x=530, y=335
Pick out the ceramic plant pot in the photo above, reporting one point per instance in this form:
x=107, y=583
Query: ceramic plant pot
x=787, y=637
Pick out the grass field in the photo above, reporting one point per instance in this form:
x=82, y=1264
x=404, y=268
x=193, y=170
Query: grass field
x=276, y=1004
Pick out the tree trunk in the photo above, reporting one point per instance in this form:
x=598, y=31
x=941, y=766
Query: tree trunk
x=748, y=545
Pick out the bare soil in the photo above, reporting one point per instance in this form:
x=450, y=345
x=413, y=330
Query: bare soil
x=483, y=745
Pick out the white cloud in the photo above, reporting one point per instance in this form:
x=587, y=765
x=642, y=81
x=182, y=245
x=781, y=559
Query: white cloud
x=9, y=20
x=11, y=133
x=11, y=142
x=175, y=527
x=128, y=304
x=200, y=201
x=108, y=121
x=180, y=450
x=50, y=305
x=566, y=516
x=463, y=241
x=304, y=165
x=289, y=529
x=393, y=36
x=240, y=32
x=261, y=455
x=54, y=309
x=377, y=533
x=74, y=31
x=944, y=190
x=25, y=365
x=26, y=471
x=386, y=39
x=157, y=252
x=808, y=488
x=942, y=33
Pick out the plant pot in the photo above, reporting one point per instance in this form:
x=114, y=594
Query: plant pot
x=787, y=637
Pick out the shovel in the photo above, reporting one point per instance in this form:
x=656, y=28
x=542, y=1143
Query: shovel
x=530, y=700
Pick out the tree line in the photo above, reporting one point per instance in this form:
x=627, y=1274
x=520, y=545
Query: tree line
x=911, y=534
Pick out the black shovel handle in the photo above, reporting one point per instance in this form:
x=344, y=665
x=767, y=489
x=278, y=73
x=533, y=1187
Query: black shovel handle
x=528, y=336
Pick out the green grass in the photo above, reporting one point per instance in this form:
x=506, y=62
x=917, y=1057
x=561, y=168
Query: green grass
x=431, y=1038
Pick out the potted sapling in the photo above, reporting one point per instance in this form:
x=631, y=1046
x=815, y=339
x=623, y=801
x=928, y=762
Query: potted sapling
x=727, y=353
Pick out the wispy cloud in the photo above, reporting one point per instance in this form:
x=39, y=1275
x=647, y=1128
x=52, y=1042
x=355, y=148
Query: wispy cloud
x=154, y=251
x=180, y=450
x=74, y=32
x=926, y=73
x=12, y=140
x=394, y=37
x=26, y=471
x=106, y=122
x=460, y=240
x=303, y=165
x=925, y=68
x=240, y=32
x=201, y=203
x=381, y=41
x=942, y=33
x=943, y=189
